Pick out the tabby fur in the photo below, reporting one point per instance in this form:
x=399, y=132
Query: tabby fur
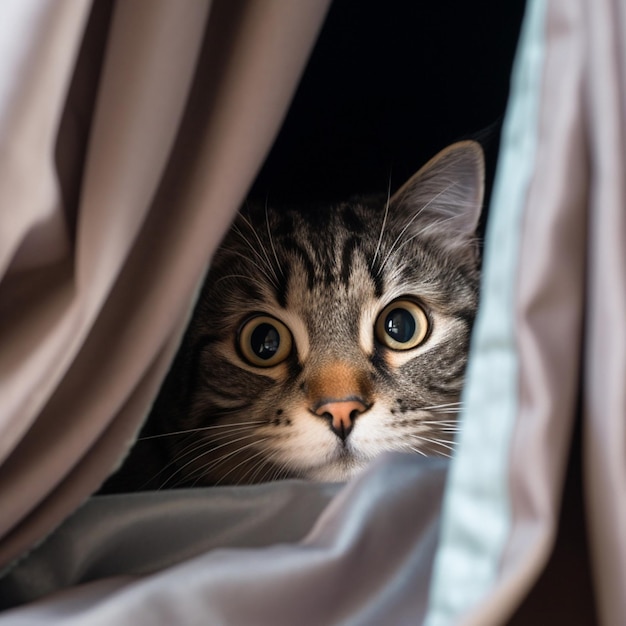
x=341, y=396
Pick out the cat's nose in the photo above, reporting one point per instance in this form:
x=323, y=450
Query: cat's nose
x=341, y=414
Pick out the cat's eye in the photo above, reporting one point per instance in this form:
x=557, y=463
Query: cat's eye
x=402, y=325
x=264, y=341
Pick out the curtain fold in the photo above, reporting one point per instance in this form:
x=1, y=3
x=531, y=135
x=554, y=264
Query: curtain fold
x=568, y=343
x=189, y=100
x=130, y=132
x=277, y=554
x=604, y=390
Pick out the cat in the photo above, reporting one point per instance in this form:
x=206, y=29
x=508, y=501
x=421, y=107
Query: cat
x=325, y=336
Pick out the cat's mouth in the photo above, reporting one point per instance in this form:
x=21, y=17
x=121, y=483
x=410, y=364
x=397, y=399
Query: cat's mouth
x=341, y=469
x=345, y=454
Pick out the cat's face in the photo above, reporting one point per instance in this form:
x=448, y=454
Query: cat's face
x=324, y=337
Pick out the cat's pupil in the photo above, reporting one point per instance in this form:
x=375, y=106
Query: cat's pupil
x=400, y=325
x=264, y=341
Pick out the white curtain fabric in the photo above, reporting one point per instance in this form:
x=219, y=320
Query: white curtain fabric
x=114, y=192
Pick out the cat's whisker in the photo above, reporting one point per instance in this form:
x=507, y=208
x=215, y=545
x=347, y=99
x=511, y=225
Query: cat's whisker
x=261, y=246
x=223, y=436
x=443, y=405
x=449, y=445
x=212, y=463
x=257, y=254
x=414, y=449
x=273, y=472
x=424, y=230
x=267, y=463
x=439, y=452
x=219, y=461
x=251, y=473
x=273, y=280
x=190, y=448
x=408, y=225
x=432, y=437
x=246, y=460
x=271, y=239
x=276, y=471
x=445, y=430
x=226, y=431
x=201, y=429
x=273, y=466
x=252, y=279
x=448, y=409
x=211, y=450
x=279, y=473
x=382, y=228
x=445, y=417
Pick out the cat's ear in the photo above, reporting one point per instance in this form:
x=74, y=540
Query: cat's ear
x=446, y=193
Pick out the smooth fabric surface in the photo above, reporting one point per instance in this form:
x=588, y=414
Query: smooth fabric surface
x=605, y=341
x=366, y=559
x=138, y=534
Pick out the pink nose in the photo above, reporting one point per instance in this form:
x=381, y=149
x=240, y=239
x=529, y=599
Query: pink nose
x=341, y=414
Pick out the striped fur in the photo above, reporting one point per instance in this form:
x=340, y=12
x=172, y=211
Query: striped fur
x=326, y=273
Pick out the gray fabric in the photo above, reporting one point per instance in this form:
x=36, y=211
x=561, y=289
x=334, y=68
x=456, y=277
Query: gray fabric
x=139, y=533
x=246, y=555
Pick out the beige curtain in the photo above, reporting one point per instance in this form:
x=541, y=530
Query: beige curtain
x=129, y=134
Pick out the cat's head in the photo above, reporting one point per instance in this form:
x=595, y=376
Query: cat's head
x=326, y=336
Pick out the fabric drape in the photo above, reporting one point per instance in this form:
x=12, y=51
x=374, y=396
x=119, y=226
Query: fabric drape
x=130, y=133
x=554, y=314
x=115, y=192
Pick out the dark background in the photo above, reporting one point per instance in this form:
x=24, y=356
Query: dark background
x=388, y=85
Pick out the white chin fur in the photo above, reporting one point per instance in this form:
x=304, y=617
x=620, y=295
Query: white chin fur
x=336, y=471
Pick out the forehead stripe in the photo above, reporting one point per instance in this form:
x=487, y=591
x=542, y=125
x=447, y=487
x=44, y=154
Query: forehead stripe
x=309, y=267
x=346, y=259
